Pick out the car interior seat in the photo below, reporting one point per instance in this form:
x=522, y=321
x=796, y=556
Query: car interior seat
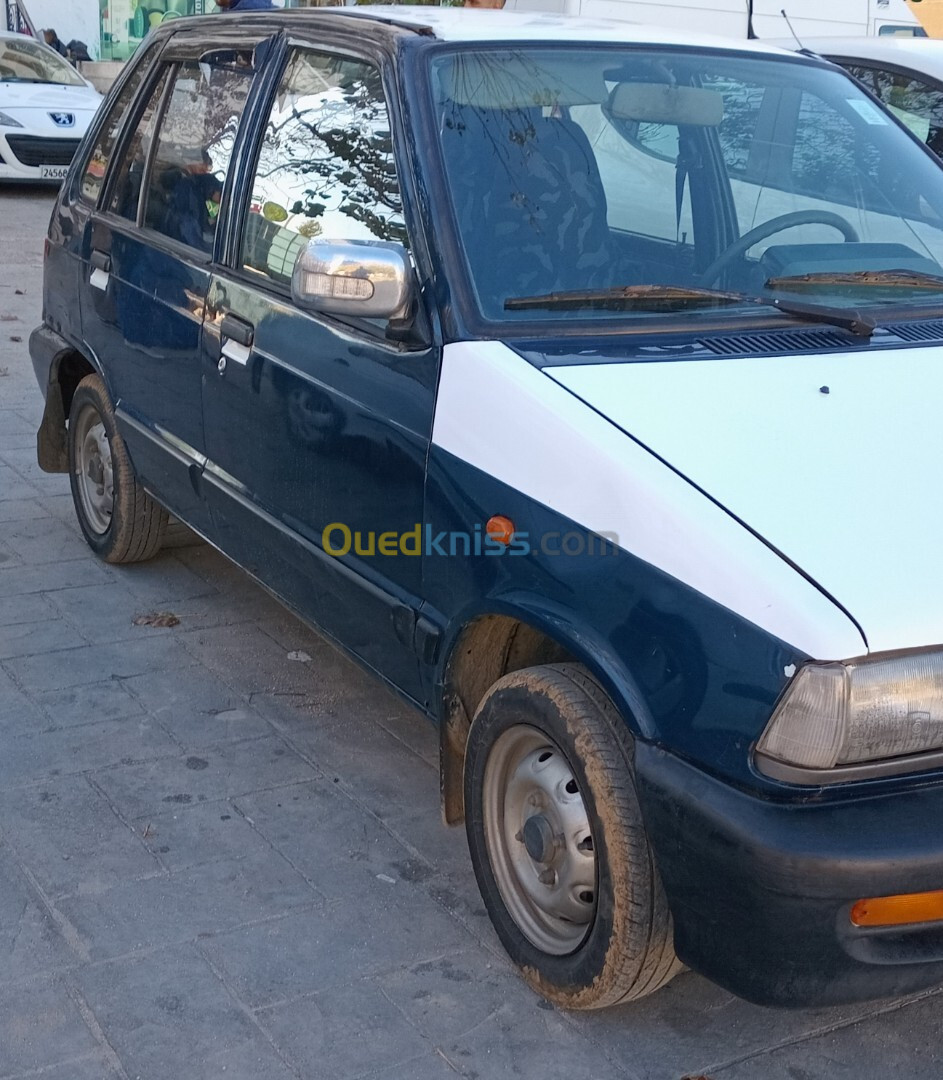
x=530, y=181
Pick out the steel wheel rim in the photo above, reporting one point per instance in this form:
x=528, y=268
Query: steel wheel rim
x=94, y=471
x=539, y=841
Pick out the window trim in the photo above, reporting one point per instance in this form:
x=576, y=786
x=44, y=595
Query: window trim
x=231, y=262
x=148, y=59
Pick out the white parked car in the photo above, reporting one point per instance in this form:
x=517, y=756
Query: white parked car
x=905, y=73
x=45, y=108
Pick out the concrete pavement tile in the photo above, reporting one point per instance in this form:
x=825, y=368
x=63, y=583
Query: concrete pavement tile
x=88, y=1067
x=890, y=1044
x=164, y=580
x=432, y=1066
x=204, y=900
x=22, y=509
x=33, y=607
x=352, y=1030
x=40, y=1026
x=382, y=928
x=17, y=712
x=198, y=708
x=331, y=840
x=106, y=613
x=70, y=839
x=89, y=703
x=690, y=1023
x=36, y=755
x=11, y=423
x=210, y=832
x=95, y=663
x=30, y=941
x=45, y=540
x=36, y=638
x=383, y=773
x=249, y=660
x=16, y=581
x=225, y=771
x=412, y=728
x=13, y=486
x=168, y=1017
x=449, y=995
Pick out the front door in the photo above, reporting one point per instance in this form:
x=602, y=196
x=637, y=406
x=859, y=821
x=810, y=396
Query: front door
x=313, y=422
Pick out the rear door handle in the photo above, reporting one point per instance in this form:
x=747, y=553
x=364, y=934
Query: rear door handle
x=237, y=336
x=101, y=270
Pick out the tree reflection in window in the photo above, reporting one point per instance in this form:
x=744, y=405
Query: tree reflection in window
x=325, y=166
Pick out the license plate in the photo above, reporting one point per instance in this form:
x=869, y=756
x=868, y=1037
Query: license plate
x=53, y=172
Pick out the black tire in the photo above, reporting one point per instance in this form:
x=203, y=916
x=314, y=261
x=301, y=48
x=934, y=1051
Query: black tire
x=626, y=950
x=133, y=529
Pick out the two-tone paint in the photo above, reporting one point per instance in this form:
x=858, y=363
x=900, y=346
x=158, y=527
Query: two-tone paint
x=726, y=480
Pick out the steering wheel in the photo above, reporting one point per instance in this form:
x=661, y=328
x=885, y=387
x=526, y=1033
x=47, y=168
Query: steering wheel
x=769, y=228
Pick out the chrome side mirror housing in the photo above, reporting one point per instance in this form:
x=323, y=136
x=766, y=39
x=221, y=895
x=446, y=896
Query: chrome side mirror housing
x=369, y=279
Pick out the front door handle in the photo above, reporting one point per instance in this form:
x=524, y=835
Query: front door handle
x=237, y=336
x=101, y=270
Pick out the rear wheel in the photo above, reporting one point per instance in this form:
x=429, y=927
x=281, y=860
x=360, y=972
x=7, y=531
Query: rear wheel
x=120, y=521
x=557, y=840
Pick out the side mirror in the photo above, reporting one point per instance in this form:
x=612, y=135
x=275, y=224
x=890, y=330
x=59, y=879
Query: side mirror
x=365, y=278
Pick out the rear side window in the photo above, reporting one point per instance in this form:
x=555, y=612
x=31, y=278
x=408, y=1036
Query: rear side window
x=126, y=192
x=325, y=167
x=916, y=104
x=194, y=145
x=97, y=165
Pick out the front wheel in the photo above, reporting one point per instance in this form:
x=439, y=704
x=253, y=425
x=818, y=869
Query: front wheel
x=557, y=840
x=120, y=521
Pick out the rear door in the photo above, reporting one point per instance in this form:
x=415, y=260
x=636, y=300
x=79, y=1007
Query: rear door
x=312, y=421
x=147, y=251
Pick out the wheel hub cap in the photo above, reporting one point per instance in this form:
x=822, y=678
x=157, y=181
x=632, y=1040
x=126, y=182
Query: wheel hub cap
x=539, y=840
x=94, y=471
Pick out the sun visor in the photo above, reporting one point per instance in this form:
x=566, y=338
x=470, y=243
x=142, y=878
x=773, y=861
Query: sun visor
x=516, y=81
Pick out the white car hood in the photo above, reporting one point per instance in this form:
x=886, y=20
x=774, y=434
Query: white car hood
x=836, y=460
x=16, y=97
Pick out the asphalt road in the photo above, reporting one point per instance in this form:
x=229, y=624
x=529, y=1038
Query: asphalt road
x=217, y=861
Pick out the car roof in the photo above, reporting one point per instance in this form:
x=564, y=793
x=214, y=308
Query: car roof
x=917, y=53
x=490, y=24
x=472, y=25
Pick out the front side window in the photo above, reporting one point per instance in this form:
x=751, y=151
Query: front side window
x=194, y=145
x=325, y=166
x=590, y=184
x=915, y=103
x=25, y=61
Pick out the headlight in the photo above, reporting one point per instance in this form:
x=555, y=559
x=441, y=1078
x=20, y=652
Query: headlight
x=7, y=121
x=835, y=715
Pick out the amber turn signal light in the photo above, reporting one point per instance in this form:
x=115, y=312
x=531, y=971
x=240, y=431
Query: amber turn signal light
x=899, y=910
x=500, y=529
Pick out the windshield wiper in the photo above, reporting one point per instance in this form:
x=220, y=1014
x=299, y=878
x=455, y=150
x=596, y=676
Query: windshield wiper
x=675, y=297
x=904, y=279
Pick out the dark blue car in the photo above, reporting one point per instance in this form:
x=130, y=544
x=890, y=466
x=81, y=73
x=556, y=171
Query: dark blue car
x=582, y=381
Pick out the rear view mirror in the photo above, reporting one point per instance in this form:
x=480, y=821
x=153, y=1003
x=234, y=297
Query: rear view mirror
x=660, y=103
x=367, y=279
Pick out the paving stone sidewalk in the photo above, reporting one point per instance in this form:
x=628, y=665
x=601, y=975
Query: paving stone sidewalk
x=218, y=863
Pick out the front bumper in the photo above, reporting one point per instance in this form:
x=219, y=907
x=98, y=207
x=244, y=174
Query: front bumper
x=761, y=891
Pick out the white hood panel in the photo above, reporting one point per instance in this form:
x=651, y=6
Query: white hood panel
x=836, y=460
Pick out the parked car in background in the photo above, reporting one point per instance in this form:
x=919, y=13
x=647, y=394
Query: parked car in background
x=581, y=380
x=45, y=109
x=905, y=73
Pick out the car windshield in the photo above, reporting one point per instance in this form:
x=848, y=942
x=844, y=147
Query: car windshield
x=23, y=60
x=593, y=183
